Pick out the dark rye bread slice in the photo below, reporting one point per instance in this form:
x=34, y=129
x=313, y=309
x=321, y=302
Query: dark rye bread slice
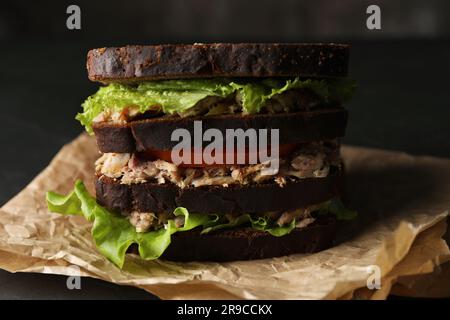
x=174, y=61
x=252, y=198
x=294, y=127
x=249, y=244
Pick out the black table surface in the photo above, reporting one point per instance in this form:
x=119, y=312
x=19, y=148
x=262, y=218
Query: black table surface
x=402, y=103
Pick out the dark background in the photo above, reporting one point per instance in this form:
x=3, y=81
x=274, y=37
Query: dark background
x=402, y=101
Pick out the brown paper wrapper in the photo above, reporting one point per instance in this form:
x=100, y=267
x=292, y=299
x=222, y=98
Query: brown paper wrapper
x=402, y=202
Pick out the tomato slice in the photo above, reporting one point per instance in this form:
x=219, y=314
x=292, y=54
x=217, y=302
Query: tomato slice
x=166, y=155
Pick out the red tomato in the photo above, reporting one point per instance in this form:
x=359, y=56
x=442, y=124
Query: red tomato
x=284, y=151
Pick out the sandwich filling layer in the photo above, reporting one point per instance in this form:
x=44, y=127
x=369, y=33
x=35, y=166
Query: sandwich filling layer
x=120, y=103
x=298, y=218
x=310, y=160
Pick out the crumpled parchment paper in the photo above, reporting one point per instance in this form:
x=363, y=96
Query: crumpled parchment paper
x=402, y=202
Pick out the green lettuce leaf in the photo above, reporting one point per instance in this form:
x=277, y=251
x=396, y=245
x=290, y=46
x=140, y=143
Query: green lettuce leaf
x=333, y=206
x=260, y=223
x=171, y=95
x=178, y=96
x=217, y=224
x=113, y=234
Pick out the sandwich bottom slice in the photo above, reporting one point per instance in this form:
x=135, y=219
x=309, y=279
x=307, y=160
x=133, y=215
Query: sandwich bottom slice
x=158, y=210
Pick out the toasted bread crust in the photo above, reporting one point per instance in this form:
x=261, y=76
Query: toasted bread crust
x=252, y=198
x=178, y=61
x=295, y=127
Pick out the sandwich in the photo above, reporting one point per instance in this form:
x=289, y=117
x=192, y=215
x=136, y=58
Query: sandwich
x=214, y=152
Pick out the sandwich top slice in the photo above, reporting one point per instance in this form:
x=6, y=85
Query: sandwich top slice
x=150, y=204
x=216, y=60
